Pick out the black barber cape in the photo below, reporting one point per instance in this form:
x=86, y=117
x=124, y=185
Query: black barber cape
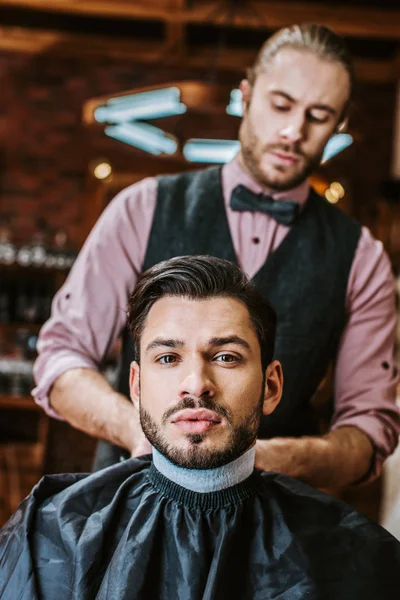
x=129, y=533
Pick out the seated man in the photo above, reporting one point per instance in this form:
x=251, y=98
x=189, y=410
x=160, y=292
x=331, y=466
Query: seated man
x=195, y=520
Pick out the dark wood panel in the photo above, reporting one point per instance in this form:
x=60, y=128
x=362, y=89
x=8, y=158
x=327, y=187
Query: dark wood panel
x=345, y=19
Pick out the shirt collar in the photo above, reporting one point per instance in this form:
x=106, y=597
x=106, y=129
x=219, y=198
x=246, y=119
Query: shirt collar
x=234, y=174
x=207, y=480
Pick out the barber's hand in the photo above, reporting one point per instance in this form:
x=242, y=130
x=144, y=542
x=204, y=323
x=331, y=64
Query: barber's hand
x=329, y=462
x=141, y=444
x=281, y=455
x=274, y=455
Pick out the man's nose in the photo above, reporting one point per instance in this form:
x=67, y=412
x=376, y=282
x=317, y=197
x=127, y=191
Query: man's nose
x=295, y=130
x=197, y=381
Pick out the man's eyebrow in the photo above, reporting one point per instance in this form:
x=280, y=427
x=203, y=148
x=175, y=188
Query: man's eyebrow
x=283, y=94
x=230, y=339
x=164, y=343
x=314, y=106
x=328, y=109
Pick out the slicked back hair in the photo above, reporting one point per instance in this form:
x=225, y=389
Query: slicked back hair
x=201, y=278
x=310, y=37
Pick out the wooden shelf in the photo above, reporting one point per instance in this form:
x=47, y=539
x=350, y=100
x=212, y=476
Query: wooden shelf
x=18, y=402
x=33, y=270
x=14, y=325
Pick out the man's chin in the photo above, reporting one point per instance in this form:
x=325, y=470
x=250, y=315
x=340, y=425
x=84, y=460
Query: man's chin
x=201, y=442
x=199, y=454
x=281, y=179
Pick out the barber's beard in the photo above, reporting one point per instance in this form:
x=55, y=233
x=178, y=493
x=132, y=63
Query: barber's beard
x=252, y=155
x=241, y=436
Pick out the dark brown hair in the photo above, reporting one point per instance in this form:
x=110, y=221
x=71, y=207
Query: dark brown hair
x=200, y=278
x=310, y=37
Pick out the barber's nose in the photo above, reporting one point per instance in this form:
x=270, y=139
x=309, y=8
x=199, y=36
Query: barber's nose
x=197, y=382
x=294, y=131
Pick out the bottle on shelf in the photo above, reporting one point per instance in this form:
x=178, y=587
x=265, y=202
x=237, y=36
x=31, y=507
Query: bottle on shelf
x=7, y=249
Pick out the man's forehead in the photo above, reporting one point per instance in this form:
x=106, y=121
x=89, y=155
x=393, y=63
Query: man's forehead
x=183, y=317
x=297, y=71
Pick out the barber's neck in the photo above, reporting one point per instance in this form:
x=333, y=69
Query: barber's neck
x=207, y=480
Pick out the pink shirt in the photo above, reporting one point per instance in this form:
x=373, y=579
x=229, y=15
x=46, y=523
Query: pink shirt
x=89, y=311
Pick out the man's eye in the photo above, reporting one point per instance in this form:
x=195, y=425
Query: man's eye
x=167, y=359
x=227, y=358
x=281, y=107
x=317, y=118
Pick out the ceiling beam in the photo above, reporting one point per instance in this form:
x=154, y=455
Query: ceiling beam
x=175, y=31
x=349, y=21
x=229, y=59
x=344, y=19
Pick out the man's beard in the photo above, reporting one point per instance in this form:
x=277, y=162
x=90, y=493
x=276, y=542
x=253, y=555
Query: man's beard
x=195, y=457
x=249, y=143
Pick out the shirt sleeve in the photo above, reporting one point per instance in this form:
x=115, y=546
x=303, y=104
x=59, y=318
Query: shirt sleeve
x=89, y=311
x=365, y=374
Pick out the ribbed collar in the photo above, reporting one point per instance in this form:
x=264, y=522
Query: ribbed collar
x=207, y=480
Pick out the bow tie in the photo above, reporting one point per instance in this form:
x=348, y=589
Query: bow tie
x=284, y=212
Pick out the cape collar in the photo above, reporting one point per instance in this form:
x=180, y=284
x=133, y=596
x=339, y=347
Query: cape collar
x=207, y=480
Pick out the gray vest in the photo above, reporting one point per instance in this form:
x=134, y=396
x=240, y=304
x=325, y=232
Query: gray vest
x=305, y=279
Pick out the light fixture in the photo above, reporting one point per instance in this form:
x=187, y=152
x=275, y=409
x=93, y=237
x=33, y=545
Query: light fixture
x=337, y=188
x=235, y=107
x=210, y=151
x=334, y=192
x=154, y=104
x=102, y=170
x=331, y=196
x=336, y=144
x=144, y=136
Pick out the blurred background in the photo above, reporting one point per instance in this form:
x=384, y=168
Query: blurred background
x=95, y=96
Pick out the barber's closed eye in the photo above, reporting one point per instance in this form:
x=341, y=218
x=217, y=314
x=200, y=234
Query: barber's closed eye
x=317, y=118
x=281, y=107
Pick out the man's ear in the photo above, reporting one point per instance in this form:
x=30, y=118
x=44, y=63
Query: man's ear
x=134, y=383
x=246, y=90
x=273, y=387
x=343, y=125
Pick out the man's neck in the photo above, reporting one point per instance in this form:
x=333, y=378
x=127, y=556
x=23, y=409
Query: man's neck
x=207, y=480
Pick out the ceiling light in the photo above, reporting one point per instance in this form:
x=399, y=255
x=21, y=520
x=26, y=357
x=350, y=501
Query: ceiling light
x=338, y=188
x=210, y=151
x=102, y=170
x=235, y=107
x=145, y=105
x=145, y=137
x=336, y=144
x=331, y=196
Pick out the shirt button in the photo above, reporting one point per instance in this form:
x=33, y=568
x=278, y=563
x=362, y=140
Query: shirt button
x=255, y=240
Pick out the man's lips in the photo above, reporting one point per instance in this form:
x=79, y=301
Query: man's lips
x=196, y=420
x=287, y=158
